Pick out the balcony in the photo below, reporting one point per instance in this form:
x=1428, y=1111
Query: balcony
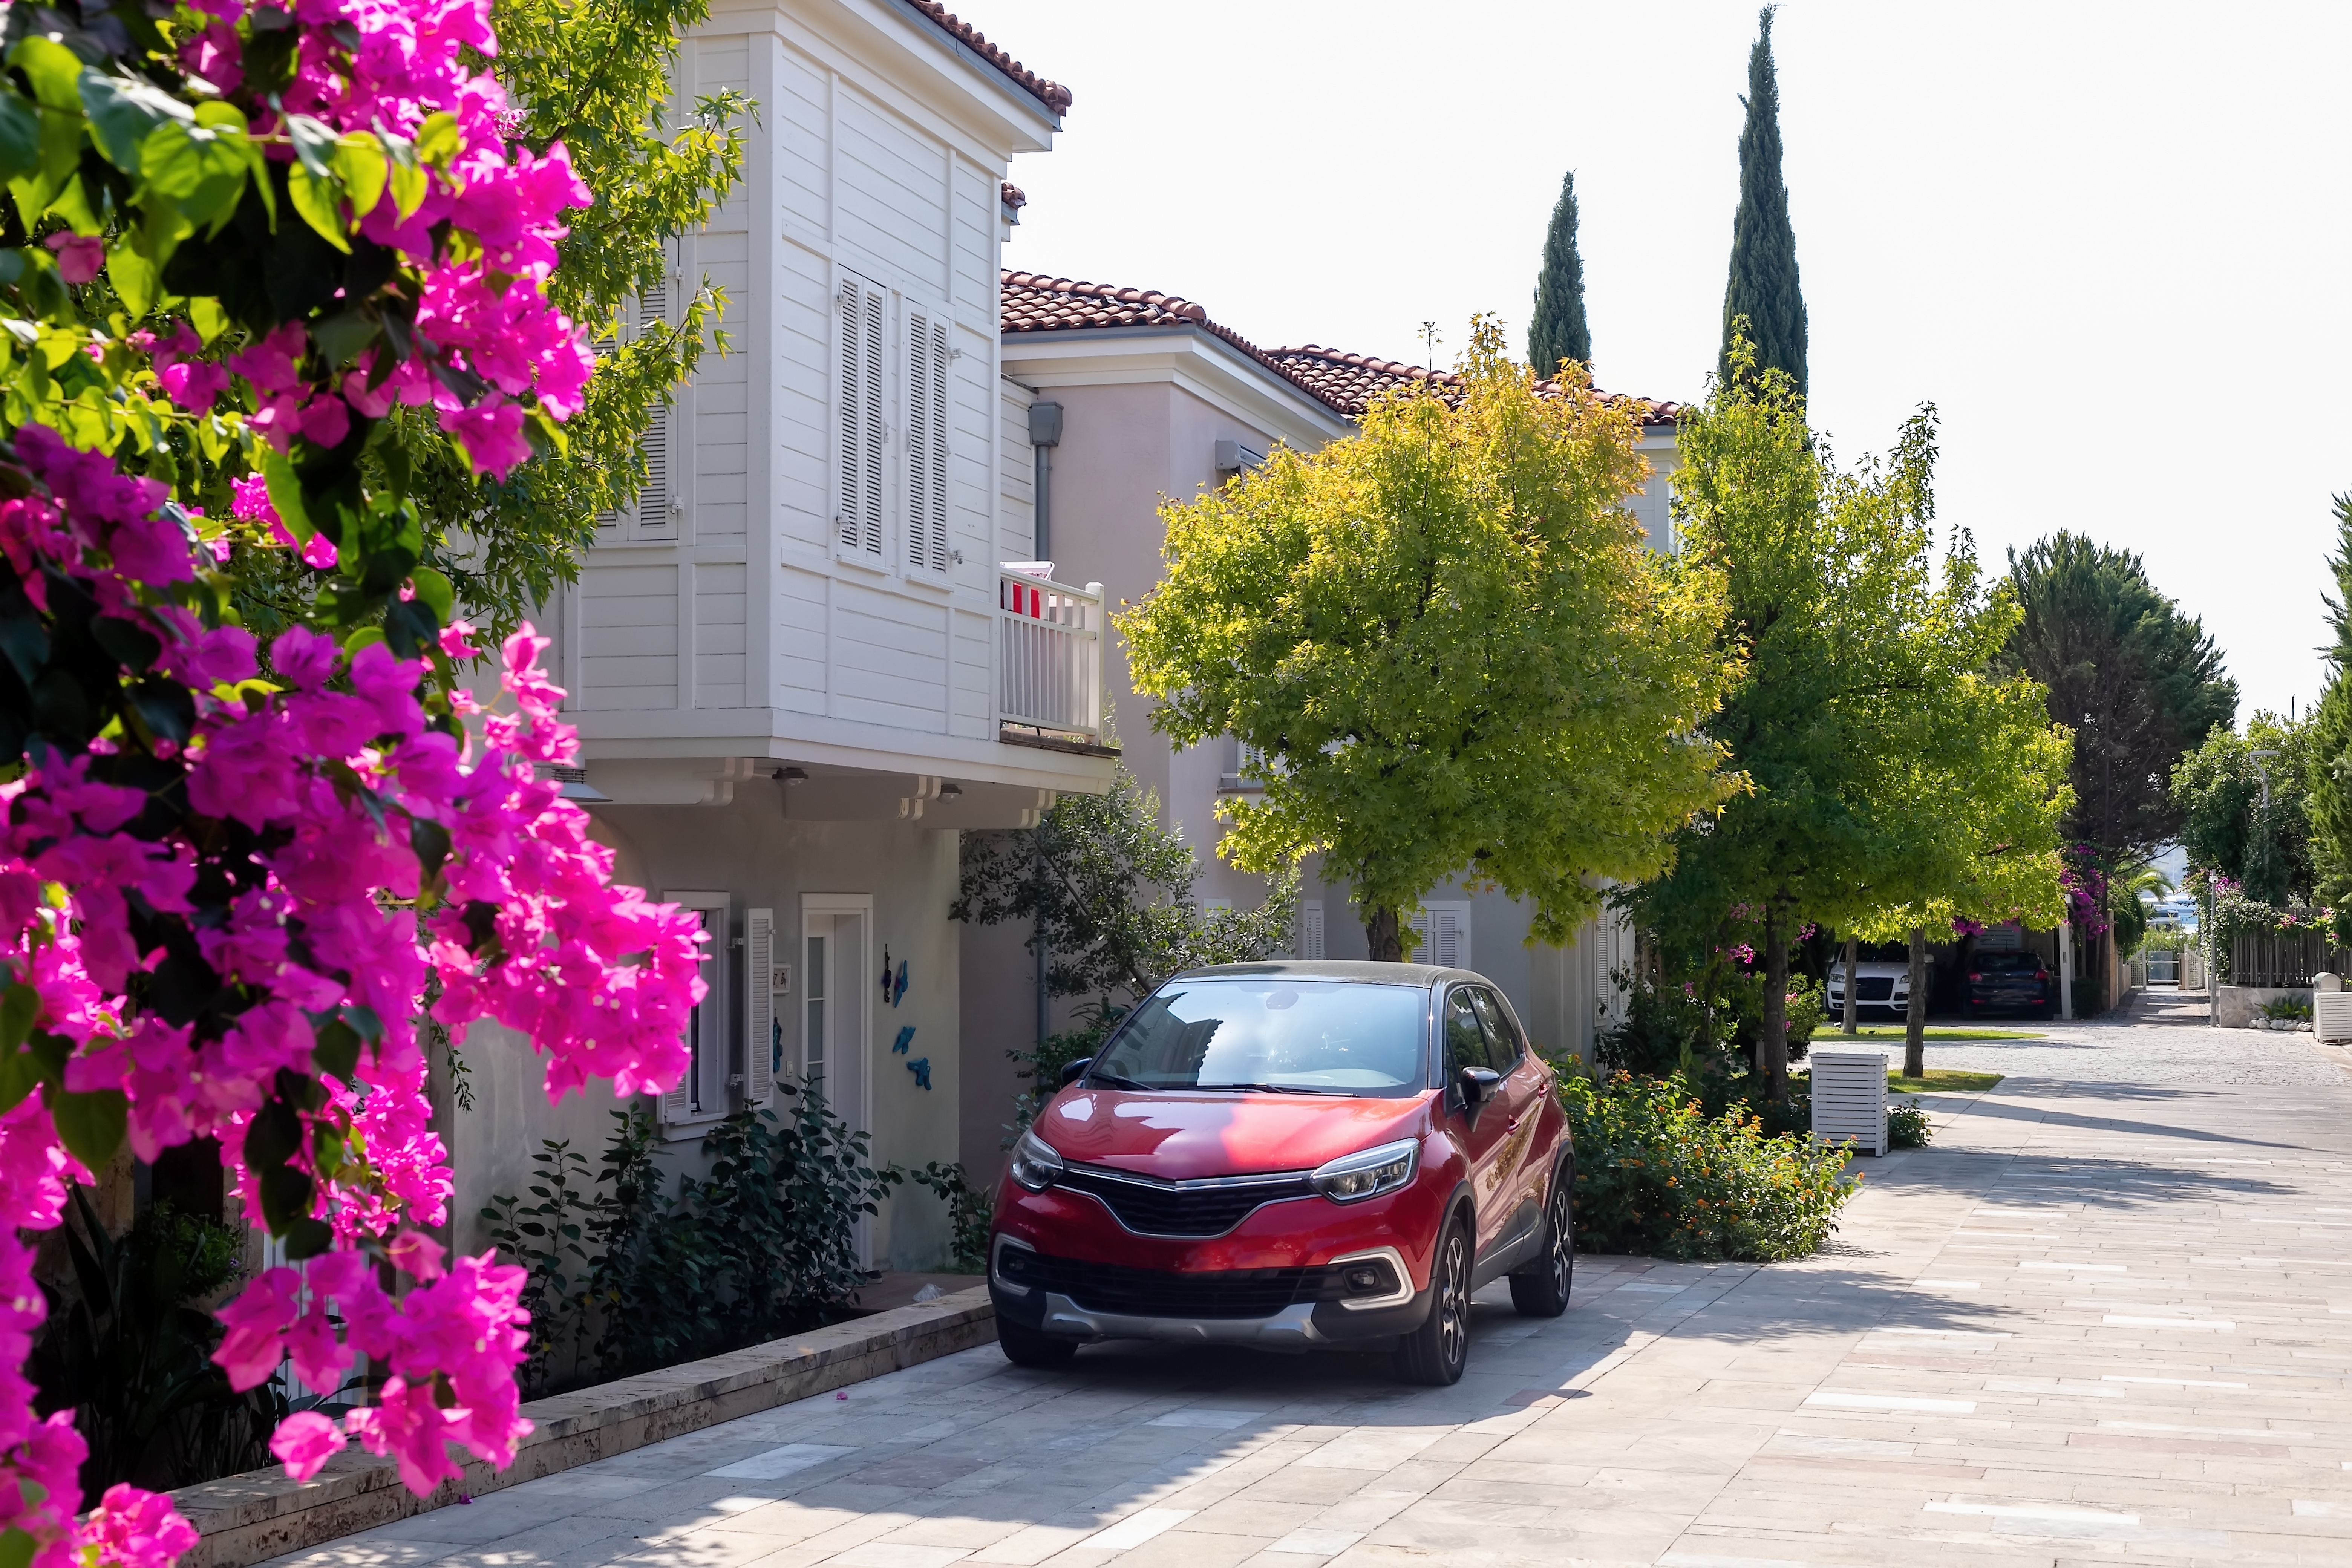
x=1049, y=661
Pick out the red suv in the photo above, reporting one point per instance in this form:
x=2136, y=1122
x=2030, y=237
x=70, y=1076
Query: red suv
x=1289, y=1155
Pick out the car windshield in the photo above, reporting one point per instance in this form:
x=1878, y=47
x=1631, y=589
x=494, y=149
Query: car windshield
x=1309, y=1037
x=2007, y=963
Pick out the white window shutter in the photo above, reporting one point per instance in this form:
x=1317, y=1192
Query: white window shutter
x=1445, y=932
x=760, y=1032
x=1310, y=929
x=927, y=368
x=677, y=1105
x=656, y=503
x=864, y=426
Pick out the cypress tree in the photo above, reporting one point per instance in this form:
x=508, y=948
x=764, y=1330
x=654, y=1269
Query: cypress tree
x=1558, y=330
x=1763, y=286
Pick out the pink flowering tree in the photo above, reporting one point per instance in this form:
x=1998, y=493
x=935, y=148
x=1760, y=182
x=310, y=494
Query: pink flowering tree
x=237, y=872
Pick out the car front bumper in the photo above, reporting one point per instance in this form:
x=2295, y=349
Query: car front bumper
x=1298, y=1325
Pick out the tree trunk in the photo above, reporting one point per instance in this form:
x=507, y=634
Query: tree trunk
x=1914, y=1023
x=1776, y=1006
x=1382, y=935
x=1852, y=1024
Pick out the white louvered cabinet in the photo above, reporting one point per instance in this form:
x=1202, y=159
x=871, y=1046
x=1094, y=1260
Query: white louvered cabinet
x=1850, y=1098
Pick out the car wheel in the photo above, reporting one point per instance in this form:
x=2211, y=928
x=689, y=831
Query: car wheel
x=1435, y=1352
x=1027, y=1347
x=1540, y=1290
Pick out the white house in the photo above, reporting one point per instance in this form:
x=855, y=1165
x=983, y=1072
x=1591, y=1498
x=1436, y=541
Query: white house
x=1146, y=398
x=798, y=666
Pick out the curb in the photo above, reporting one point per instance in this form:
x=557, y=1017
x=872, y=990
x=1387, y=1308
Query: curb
x=261, y=1514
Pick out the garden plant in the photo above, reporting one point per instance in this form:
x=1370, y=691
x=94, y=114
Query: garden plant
x=234, y=869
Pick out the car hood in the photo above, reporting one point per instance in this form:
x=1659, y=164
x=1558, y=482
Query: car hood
x=1175, y=1137
x=1870, y=971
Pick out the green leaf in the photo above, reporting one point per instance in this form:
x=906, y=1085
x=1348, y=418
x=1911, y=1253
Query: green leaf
x=434, y=590
x=20, y=137
x=20, y=1004
x=314, y=144
x=320, y=202
x=53, y=70
x=286, y=494
x=204, y=313
x=200, y=169
x=134, y=278
x=122, y=113
x=91, y=1124
x=409, y=181
x=336, y=1048
x=16, y=1545
x=361, y=165
x=438, y=140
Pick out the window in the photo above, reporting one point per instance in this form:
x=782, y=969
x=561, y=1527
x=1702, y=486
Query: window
x=702, y=1094
x=928, y=367
x=1502, y=1040
x=1466, y=1041
x=893, y=357
x=864, y=432
x=654, y=517
x=1318, y=1036
x=1445, y=932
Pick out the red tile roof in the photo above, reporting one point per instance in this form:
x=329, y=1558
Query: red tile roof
x=1051, y=94
x=1344, y=383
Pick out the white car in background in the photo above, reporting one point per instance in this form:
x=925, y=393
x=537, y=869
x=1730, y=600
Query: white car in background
x=1883, y=990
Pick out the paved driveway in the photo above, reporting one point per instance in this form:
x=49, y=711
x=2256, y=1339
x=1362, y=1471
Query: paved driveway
x=2107, y=1318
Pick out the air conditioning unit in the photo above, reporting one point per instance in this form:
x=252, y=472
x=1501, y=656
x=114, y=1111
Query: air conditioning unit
x=1850, y=1098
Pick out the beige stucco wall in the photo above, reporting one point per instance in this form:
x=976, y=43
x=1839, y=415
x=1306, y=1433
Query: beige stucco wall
x=749, y=850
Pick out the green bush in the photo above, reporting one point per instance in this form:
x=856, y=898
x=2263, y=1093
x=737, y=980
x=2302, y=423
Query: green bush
x=2296, y=1007
x=1654, y=1174
x=1906, y=1126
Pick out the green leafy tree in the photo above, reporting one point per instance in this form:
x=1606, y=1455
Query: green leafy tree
x=1762, y=300
x=1558, y=330
x=2327, y=767
x=596, y=75
x=1863, y=722
x=2138, y=682
x=1107, y=888
x=2243, y=812
x=1447, y=645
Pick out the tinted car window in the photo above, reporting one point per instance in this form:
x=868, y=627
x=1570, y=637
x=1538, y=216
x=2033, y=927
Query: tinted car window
x=1502, y=1040
x=1321, y=1036
x=2007, y=963
x=1466, y=1041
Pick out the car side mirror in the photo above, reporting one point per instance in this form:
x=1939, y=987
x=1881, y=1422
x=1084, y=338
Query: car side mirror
x=1479, y=1086
x=1073, y=1072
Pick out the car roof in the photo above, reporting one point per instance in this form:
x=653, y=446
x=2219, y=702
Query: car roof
x=1363, y=971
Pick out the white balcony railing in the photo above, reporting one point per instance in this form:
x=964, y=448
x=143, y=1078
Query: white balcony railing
x=1049, y=663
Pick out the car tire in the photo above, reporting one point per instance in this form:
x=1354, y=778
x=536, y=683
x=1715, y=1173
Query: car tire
x=1434, y=1353
x=1540, y=1290
x=1027, y=1347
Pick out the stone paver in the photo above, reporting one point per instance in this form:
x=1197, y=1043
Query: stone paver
x=2107, y=1320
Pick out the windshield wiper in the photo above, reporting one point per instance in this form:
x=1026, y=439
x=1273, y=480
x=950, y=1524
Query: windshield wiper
x=1115, y=1081
x=1275, y=1089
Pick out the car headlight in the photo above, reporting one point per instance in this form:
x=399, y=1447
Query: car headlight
x=1034, y=1164
x=1351, y=1178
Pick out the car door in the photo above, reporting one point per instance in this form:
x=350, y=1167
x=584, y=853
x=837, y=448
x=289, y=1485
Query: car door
x=1519, y=1102
x=1483, y=1134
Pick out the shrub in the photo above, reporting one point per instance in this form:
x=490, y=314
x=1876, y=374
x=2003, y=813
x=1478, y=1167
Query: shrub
x=2295, y=1007
x=1907, y=1126
x=1655, y=1174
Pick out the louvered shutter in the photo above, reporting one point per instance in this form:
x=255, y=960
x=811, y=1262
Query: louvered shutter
x=655, y=514
x=1310, y=929
x=928, y=366
x=1445, y=932
x=761, y=1037
x=863, y=427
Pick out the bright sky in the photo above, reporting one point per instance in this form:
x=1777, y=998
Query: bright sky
x=2109, y=242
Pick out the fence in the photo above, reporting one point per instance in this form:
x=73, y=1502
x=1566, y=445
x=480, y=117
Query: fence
x=1049, y=674
x=2163, y=967
x=2283, y=958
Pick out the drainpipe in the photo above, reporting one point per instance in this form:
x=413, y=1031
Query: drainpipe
x=2066, y=969
x=1044, y=435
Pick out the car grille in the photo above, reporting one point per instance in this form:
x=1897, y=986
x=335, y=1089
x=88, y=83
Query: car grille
x=1152, y=1293
x=1875, y=988
x=1181, y=1208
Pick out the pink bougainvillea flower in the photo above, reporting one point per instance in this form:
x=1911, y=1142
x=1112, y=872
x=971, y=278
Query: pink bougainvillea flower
x=304, y=1442
x=79, y=258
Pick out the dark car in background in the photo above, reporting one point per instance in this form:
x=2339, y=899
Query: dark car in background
x=2012, y=983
